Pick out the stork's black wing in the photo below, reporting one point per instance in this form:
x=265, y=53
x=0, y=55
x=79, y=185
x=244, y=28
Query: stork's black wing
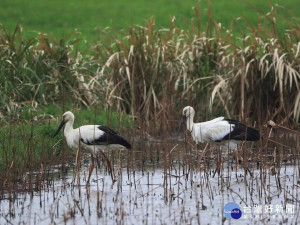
x=241, y=132
x=107, y=130
x=108, y=137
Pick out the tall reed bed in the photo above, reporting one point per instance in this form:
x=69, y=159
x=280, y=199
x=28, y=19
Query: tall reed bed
x=253, y=74
x=250, y=75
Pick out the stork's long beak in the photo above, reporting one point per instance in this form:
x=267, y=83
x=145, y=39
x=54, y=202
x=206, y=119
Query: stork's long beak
x=183, y=119
x=59, y=128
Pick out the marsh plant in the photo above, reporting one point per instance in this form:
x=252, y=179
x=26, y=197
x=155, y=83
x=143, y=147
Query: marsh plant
x=253, y=75
x=42, y=71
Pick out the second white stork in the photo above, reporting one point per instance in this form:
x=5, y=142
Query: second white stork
x=94, y=138
x=225, y=132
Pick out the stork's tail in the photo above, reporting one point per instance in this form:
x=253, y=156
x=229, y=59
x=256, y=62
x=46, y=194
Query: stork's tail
x=124, y=142
x=252, y=134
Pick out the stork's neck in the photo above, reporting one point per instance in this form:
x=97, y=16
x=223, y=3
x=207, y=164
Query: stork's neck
x=190, y=123
x=68, y=127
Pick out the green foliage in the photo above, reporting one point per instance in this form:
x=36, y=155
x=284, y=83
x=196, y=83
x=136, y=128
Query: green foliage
x=38, y=70
x=26, y=146
x=60, y=18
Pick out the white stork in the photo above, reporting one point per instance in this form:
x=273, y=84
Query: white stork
x=94, y=138
x=225, y=132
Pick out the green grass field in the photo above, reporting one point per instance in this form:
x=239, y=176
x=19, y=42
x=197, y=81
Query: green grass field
x=59, y=18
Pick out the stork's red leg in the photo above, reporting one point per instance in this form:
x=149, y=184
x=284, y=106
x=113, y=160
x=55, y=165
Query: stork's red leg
x=92, y=166
x=218, y=165
x=247, y=168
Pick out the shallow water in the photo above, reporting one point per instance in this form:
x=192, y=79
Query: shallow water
x=159, y=196
x=163, y=181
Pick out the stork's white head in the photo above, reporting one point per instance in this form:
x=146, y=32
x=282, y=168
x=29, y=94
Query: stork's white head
x=188, y=112
x=67, y=117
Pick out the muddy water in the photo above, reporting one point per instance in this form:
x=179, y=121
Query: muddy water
x=159, y=196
